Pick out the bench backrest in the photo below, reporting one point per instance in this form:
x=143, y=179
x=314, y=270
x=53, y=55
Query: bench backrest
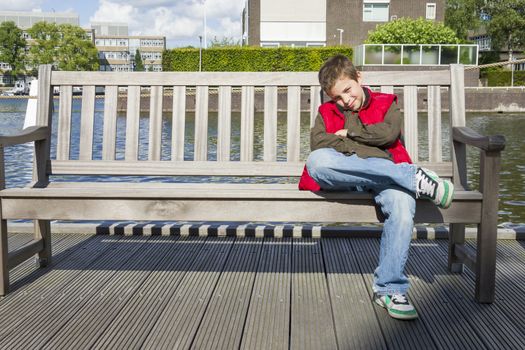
x=89, y=145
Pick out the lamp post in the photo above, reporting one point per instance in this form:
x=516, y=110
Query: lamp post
x=205, y=29
x=200, y=53
x=340, y=35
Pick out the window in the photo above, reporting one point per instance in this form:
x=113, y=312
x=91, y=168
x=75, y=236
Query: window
x=375, y=11
x=431, y=11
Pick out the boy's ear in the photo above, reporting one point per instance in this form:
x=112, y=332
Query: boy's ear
x=359, y=78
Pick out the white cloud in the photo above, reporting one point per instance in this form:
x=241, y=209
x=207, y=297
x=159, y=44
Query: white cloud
x=109, y=11
x=180, y=21
x=17, y=5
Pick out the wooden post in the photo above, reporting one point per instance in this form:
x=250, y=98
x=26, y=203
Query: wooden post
x=42, y=152
x=4, y=271
x=459, y=158
x=490, y=164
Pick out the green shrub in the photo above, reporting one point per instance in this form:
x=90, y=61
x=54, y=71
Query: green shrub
x=251, y=59
x=412, y=31
x=503, y=78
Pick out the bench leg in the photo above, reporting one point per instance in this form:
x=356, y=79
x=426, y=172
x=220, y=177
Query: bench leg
x=43, y=231
x=456, y=236
x=486, y=260
x=4, y=270
x=488, y=228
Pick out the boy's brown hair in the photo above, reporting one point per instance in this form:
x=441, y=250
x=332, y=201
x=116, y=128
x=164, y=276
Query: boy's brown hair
x=335, y=68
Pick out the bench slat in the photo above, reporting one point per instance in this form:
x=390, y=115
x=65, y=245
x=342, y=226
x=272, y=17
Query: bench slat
x=270, y=124
x=194, y=168
x=398, y=78
x=155, y=123
x=178, y=121
x=247, y=116
x=224, y=124
x=315, y=102
x=234, y=208
x=201, y=123
x=411, y=134
x=434, y=124
x=132, y=123
x=293, y=124
x=86, y=123
x=64, y=122
x=110, y=122
x=195, y=190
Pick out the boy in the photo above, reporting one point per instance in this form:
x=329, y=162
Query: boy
x=356, y=144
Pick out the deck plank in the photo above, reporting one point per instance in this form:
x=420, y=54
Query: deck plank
x=355, y=321
x=398, y=335
x=42, y=325
x=447, y=325
x=88, y=323
x=142, y=312
x=178, y=324
x=60, y=245
x=223, y=322
x=268, y=320
x=30, y=292
x=312, y=324
x=119, y=292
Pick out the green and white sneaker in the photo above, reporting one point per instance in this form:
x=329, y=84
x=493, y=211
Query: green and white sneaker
x=430, y=186
x=397, y=306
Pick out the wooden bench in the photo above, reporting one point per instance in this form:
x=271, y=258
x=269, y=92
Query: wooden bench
x=94, y=154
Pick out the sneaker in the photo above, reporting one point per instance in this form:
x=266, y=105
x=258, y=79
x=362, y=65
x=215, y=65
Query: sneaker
x=430, y=186
x=397, y=306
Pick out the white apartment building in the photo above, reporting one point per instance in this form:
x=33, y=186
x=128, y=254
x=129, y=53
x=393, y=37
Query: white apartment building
x=116, y=49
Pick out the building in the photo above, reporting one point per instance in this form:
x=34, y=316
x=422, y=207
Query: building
x=116, y=49
x=24, y=21
x=273, y=23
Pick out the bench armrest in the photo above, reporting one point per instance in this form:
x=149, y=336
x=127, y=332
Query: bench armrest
x=493, y=143
x=33, y=133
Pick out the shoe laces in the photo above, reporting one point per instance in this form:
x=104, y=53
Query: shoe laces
x=399, y=299
x=426, y=186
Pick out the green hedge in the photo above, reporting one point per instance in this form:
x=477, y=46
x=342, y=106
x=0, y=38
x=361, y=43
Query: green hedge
x=250, y=59
x=503, y=78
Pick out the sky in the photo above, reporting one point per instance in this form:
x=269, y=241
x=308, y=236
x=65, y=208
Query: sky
x=180, y=21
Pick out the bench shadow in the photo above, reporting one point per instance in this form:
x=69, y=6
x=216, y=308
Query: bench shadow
x=138, y=252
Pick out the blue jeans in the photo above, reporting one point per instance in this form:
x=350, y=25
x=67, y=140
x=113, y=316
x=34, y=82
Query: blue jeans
x=394, y=189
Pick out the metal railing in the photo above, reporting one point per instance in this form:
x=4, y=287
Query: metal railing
x=416, y=54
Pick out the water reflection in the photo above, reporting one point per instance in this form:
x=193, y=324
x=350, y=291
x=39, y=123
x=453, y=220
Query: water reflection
x=512, y=188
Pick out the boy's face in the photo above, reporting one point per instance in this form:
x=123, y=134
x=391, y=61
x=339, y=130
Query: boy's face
x=348, y=93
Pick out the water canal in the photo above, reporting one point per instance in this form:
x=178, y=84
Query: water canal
x=512, y=189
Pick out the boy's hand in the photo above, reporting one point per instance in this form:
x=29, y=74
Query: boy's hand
x=342, y=132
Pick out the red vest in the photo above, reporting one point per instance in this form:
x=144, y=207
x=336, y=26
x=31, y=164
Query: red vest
x=373, y=112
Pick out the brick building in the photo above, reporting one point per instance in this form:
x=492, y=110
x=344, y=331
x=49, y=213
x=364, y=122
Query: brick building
x=272, y=23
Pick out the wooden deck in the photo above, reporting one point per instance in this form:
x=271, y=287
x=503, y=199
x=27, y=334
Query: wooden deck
x=126, y=292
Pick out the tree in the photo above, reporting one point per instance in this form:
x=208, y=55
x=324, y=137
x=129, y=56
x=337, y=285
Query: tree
x=139, y=66
x=224, y=42
x=12, y=47
x=412, y=31
x=66, y=46
x=506, y=23
x=462, y=16
x=46, y=38
x=76, y=51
